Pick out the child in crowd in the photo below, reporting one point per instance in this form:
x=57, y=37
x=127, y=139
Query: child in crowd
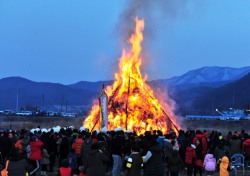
x=190, y=158
x=224, y=164
x=44, y=162
x=209, y=163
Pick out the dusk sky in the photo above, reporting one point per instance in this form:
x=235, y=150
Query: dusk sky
x=64, y=41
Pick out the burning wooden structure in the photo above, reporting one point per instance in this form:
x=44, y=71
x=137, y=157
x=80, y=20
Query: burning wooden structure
x=132, y=104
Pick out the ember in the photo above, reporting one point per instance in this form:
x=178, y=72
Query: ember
x=132, y=104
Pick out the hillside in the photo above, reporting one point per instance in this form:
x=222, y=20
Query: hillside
x=30, y=93
x=195, y=91
x=235, y=94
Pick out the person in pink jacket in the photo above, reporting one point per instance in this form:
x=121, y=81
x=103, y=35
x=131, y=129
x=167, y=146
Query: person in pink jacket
x=35, y=153
x=209, y=163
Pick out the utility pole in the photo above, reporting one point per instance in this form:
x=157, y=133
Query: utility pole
x=62, y=103
x=43, y=101
x=17, y=101
x=233, y=99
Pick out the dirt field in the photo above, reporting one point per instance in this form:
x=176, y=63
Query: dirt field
x=19, y=122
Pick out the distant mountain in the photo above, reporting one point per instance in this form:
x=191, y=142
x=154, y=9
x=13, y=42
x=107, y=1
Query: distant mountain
x=235, y=95
x=208, y=75
x=85, y=85
x=188, y=87
x=205, y=77
x=30, y=93
x=198, y=90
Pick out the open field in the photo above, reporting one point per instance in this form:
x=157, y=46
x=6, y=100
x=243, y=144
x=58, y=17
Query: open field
x=18, y=122
x=222, y=125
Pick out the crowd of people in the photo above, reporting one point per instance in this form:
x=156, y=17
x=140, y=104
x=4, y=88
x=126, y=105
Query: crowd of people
x=96, y=153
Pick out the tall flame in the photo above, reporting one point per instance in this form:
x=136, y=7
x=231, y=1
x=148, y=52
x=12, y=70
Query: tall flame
x=132, y=104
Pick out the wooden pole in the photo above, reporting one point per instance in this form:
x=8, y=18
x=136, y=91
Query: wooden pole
x=163, y=112
x=127, y=103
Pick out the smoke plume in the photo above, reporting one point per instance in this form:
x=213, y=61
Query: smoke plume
x=156, y=13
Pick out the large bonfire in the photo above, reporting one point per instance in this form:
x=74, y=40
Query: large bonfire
x=132, y=104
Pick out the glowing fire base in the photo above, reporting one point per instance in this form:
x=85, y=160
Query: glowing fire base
x=132, y=104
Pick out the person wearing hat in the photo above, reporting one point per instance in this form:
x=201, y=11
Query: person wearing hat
x=224, y=163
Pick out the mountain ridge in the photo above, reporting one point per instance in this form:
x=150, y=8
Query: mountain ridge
x=184, y=89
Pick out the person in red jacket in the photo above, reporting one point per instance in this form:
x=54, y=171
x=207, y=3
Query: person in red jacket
x=77, y=145
x=19, y=145
x=35, y=153
x=246, y=146
x=202, y=137
x=64, y=169
x=190, y=159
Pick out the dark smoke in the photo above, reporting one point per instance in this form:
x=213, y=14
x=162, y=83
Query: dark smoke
x=156, y=13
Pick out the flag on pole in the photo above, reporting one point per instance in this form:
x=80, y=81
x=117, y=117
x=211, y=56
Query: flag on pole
x=103, y=103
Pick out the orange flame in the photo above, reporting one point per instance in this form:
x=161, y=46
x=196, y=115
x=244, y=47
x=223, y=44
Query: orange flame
x=132, y=104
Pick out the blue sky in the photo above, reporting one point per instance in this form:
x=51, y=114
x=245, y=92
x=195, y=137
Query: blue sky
x=69, y=41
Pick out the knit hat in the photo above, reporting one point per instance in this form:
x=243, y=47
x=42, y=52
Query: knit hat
x=33, y=138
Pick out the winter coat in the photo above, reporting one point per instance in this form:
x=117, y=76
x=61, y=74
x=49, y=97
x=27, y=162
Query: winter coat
x=175, y=163
x=246, y=147
x=85, y=148
x=235, y=145
x=35, y=153
x=136, y=166
x=52, y=146
x=5, y=146
x=223, y=166
x=25, y=142
x=95, y=165
x=168, y=148
x=17, y=168
x=154, y=166
x=176, y=145
x=73, y=161
x=190, y=155
x=221, y=151
x=45, y=157
x=198, y=156
x=65, y=171
x=203, y=141
x=19, y=145
x=64, y=148
x=160, y=140
x=77, y=145
x=105, y=148
x=117, y=145
x=209, y=162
